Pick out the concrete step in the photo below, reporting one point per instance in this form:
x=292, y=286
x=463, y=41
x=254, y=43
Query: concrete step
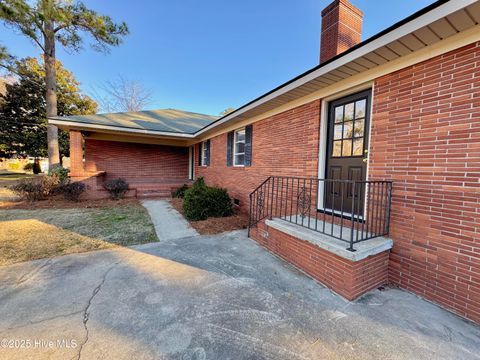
x=157, y=193
x=157, y=184
x=158, y=189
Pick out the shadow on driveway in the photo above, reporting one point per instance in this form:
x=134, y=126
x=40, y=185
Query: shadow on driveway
x=212, y=297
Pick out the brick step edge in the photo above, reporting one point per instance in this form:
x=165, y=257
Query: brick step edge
x=154, y=193
x=153, y=196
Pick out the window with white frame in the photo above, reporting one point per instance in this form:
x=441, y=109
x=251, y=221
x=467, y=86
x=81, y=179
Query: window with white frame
x=239, y=148
x=204, y=153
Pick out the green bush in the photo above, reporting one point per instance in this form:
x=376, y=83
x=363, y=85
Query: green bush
x=28, y=167
x=36, y=168
x=195, y=202
x=60, y=172
x=116, y=187
x=73, y=190
x=180, y=192
x=35, y=189
x=201, y=202
x=220, y=204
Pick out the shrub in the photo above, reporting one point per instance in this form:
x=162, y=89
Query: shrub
x=195, y=202
x=201, y=202
x=180, y=192
x=50, y=184
x=35, y=189
x=73, y=190
x=116, y=187
x=36, y=168
x=220, y=204
x=28, y=189
x=60, y=172
x=28, y=167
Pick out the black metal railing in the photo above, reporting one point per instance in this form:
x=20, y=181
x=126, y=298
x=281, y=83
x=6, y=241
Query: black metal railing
x=348, y=210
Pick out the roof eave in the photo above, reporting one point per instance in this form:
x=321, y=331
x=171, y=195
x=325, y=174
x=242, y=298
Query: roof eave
x=75, y=125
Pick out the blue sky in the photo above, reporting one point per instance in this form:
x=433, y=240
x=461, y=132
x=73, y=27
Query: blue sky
x=205, y=56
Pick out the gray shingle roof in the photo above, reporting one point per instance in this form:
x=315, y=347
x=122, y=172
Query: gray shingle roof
x=164, y=120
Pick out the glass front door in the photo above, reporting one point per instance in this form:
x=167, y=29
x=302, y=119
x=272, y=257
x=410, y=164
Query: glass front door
x=347, y=141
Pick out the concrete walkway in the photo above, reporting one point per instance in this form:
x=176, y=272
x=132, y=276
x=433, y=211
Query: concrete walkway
x=169, y=223
x=211, y=297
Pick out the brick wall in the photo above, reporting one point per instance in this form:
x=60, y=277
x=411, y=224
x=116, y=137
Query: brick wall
x=76, y=153
x=136, y=162
x=347, y=278
x=426, y=137
x=284, y=144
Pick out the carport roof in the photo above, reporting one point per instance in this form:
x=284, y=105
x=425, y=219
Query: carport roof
x=163, y=120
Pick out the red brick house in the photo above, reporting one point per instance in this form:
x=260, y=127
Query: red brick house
x=362, y=171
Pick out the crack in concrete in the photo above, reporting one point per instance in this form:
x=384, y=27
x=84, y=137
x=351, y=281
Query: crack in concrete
x=86, y=313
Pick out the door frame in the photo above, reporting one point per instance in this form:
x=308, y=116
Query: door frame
x=323, y=139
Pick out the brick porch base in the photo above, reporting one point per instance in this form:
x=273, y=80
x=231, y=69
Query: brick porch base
x=161, y=188
x=348, y=278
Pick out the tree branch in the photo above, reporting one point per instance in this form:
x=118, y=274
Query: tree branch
x=11, y=69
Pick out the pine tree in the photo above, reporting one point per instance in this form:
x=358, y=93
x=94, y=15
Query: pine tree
x=51, y=22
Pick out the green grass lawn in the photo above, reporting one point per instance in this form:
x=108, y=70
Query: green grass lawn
x=40, y=233
x=8, y=177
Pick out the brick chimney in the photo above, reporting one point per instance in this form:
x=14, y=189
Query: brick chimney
x=341, y=28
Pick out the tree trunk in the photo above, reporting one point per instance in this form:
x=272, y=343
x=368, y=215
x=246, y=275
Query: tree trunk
x=51, y=94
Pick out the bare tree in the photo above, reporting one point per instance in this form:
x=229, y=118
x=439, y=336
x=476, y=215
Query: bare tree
x=121, y=95
x=227, y=111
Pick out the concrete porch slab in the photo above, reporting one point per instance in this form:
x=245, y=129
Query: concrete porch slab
x=363, y=249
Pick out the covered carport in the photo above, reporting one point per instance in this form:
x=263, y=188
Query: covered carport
x=151, y=150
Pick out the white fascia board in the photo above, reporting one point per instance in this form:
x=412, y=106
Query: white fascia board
x=405, y=29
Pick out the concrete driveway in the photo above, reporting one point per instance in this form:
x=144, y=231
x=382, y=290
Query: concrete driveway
x=210, y=297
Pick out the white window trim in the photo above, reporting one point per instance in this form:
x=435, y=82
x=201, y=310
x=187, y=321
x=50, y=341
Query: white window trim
x=191, y=159
x=204, y=153
x=234, y=147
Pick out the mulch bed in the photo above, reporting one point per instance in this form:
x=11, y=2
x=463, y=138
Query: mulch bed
x=58, y=202
x=215, y=225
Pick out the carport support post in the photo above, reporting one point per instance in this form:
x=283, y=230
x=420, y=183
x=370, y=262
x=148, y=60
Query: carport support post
x=76, y=153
